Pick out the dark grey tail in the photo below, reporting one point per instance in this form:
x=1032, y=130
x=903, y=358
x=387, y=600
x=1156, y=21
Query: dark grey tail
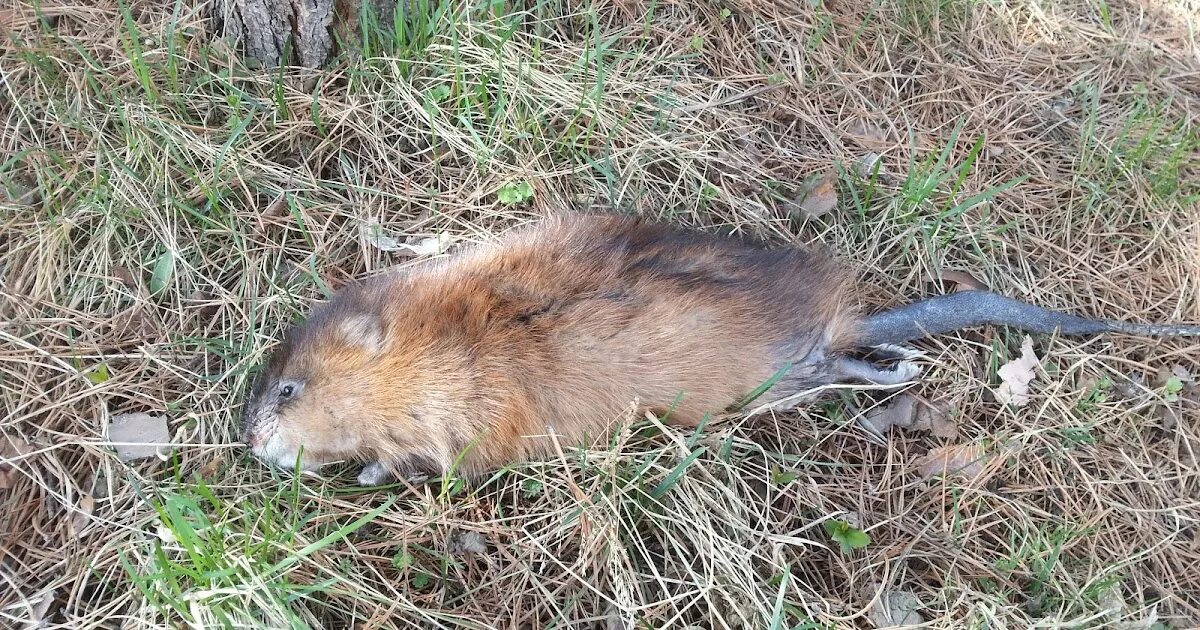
x=967, y=309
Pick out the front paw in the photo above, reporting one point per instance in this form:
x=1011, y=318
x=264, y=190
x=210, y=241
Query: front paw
x=375, y=474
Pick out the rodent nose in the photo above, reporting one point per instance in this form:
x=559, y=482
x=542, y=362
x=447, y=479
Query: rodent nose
x=251, y=437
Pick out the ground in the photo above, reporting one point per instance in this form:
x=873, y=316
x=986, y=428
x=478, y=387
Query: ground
x=168, y=210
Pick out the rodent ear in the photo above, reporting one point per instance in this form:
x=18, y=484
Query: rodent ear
x=363, y=330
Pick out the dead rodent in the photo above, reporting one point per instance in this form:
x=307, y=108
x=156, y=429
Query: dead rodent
x=472, y=362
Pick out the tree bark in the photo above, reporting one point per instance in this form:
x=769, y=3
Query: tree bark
x=265, y=28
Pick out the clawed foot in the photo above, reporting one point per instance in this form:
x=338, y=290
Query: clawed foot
x=893, y=351
x=904, y=371
x=855, y=369
x=375, y=474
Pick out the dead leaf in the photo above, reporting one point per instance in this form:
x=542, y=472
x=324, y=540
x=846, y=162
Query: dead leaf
x=129, y=323
x=468, y=542
x=963, y=460
x=21, y=191
x=11, y=451
x=41, y=610
x=865, y=166
x=867, y=133
x=897, y=413
x=819, y=194
x=1176, y=372
x=373, y=233
x=124, y=276
x=613, y=619
x=211, y=468
x=1168, y=416
x=222, y=47
x=963, y=281
x=911, y=412
x=428, y=246
x=895, y=608
x=1128, y=386
x=1061, y=106
x=935, y=418
x=138, y=436
x=1183, y=375
x=100, y=488
x=164, y=533
x=83, y=514
x=276, y=207
x=1016, y=375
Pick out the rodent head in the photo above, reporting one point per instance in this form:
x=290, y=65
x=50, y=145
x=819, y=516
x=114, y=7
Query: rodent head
x=310, y=399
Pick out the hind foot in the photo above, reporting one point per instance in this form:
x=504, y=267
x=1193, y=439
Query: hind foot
x=903, y=372
x=858, y=370
x=375, y=474
x=892, y=351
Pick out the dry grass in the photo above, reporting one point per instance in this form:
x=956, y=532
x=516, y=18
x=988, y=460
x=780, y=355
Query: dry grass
x=130, y=144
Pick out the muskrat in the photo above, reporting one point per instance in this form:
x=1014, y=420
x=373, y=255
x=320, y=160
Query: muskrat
x=556, y=331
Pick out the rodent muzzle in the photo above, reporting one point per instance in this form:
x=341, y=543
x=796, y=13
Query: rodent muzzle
x=254, y=428
x=252, y=438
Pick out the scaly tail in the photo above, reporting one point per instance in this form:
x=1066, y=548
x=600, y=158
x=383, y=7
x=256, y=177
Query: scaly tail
x=966, y=309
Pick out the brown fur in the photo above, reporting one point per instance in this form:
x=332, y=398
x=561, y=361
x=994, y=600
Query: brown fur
x=562, y=325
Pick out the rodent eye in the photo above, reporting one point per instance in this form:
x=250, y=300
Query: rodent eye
x=286, y=390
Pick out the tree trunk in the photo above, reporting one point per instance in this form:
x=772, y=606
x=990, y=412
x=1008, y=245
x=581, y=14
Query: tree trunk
x=285, y=32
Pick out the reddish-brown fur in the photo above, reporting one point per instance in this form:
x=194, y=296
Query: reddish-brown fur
x=559, y=327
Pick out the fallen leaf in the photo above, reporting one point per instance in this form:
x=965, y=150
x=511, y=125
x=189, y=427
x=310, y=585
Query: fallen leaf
x=210, y=469
x=164, y=533
x=1183, y=375
x=897, y=413
x=1061, y=106
x=963, y=281
x=911, y=412
x=468, y=542
x=11, y=451
x=164, y=267
x=276, y=207
x=1175, y=382
x=428, y=246
x=895, y=608
x=41, y=610
x=82, y=515
x=1016, y=375
x=373, y=233
x=129, y=323
x=865, y=166
x=1168, y=416
x=21, y=191
x=963, y=460
x=613, y=619
x=1128, y=386
x=867, y=133
x=138, y=436
x=818, y=195
x=935, y=418
x=123, y=275
x=100, y=484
